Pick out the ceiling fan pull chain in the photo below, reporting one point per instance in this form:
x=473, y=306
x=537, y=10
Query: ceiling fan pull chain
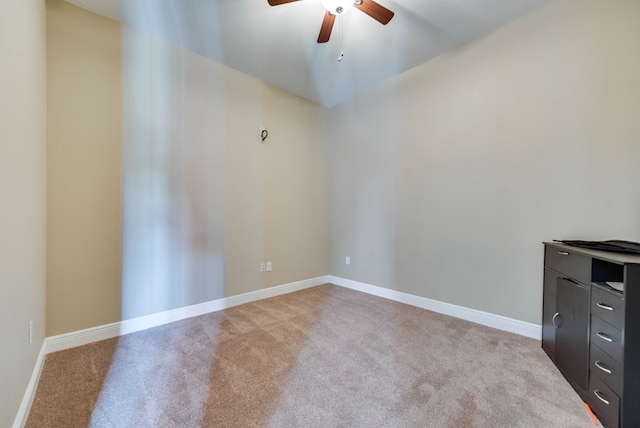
x=341, y=38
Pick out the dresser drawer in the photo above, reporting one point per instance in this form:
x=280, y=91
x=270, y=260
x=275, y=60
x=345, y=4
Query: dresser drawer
x=606, y=337
x=607, y=306
x=604, y=402
x=568, y=263
x=606, y=368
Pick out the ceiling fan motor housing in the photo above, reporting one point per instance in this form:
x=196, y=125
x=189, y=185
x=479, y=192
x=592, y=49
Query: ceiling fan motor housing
x=338, y=7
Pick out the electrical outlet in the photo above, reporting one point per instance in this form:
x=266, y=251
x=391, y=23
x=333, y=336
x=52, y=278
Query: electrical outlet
x=263, y=267
x=268, y=266
x=347, y=260
x=30, y=332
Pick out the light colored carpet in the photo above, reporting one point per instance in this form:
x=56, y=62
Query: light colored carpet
x=321, y=357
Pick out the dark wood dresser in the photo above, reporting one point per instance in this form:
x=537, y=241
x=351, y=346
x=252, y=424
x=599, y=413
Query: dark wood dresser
x=591, y=330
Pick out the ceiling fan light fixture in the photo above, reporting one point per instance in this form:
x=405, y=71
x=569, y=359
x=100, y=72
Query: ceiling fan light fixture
x=337, y=7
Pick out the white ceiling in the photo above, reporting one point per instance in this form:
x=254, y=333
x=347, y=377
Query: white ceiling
x=278, y=44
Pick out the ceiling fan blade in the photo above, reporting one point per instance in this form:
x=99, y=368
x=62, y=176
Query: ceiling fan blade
x=376, y=11
x=327, y=26
x=279, y=2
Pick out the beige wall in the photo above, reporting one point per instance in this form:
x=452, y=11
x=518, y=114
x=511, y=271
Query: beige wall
x=445, y=180
x=204, y=202
x=296, y=234
x=23, y=195
x=83, y=158
x=442, y=182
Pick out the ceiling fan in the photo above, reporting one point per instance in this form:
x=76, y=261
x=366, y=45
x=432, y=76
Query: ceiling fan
x=339, y=7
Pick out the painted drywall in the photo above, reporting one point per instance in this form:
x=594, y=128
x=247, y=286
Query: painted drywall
x=23, y=195
x=442, y=182
x=445, y=180
x=295, y=222
x=83, y=177
x=204, y=201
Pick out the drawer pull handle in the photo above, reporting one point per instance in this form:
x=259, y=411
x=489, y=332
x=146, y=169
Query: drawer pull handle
x=604, y=337
x=553, y=320
x=603, y=306
x=600, y=397
x=563, y=253
x=602, y=367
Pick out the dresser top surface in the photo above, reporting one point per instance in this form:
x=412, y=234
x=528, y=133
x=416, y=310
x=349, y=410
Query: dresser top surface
x=622, y=258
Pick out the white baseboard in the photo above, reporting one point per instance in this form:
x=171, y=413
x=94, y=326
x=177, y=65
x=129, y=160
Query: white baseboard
x=83, y=337
x=27, y=399
x=94, y=334
x=484, y=318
